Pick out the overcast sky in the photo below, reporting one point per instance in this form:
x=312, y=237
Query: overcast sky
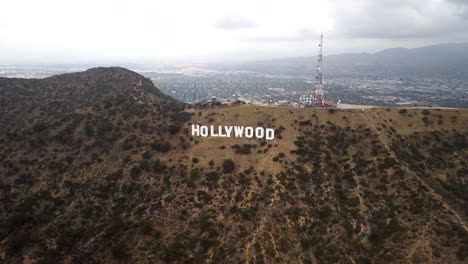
x=156, y=31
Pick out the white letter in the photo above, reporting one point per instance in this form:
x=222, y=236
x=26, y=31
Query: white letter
x=204, y=131
x=259, y=132
x=220, y=131
x=248, y=132
x=238, y=130
x=270, y=133
x=195, y=130
x=213, y=132
x=228, y=130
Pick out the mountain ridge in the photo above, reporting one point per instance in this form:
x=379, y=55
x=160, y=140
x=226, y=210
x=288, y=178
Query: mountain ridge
x=439, y=60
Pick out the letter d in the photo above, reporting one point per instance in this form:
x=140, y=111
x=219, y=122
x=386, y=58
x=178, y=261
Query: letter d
x=270, y=134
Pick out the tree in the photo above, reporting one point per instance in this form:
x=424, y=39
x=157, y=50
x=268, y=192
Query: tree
x=147, y=155
x=228, y=166
x=135, y=172
x=120, y=251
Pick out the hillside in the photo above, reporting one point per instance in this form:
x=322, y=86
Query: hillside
x=100, y=167
x=447, y=60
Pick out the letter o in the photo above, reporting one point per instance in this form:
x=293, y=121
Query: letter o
x=249, y=132
x=259, y=132
x=204, y=131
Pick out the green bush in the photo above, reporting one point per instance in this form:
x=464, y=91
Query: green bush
x=212, y=176
x=245, y=149
x=174, y=129
x=120, y=251
x=89, y=130
x=325, y=213
x=161, y=146
x=147, y=155
x=174, y=251
x=425, y=120
x=228, y=166
x=363, y=260
x=135, y=172
x=305, y=123
x=462, y=252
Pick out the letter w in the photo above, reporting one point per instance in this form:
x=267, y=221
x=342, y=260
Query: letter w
x=238, y=131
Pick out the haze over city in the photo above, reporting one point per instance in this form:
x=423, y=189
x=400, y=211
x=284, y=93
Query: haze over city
x=143, y=31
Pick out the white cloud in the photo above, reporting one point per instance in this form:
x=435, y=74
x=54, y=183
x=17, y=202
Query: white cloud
x=146, y=30
x=233, y=23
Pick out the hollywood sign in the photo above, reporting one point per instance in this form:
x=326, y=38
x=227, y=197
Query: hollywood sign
x=233, y=131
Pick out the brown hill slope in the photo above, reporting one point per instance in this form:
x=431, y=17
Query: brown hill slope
x=100, y=166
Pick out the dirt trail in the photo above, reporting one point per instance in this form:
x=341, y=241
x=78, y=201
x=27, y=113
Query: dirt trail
x=134, y=88
x=422, y=244
x=437, y=196
x=266, y=215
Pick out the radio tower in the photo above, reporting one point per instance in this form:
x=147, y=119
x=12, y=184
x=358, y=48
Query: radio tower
x=318, y=94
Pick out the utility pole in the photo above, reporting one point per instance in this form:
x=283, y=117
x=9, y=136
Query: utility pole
x=318, y=93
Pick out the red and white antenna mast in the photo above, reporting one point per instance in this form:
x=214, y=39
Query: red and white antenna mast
x=318, y=94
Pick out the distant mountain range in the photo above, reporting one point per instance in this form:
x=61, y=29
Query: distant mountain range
x=440, y=60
